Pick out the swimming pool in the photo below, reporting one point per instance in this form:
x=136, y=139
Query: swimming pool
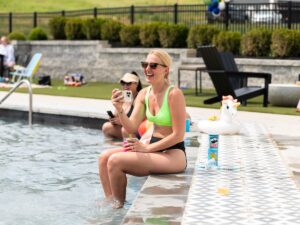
x=49, y=175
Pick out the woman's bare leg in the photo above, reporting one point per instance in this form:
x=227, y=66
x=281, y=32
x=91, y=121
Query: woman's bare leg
x=111, y=130
x=103, y=172
x=141, y=164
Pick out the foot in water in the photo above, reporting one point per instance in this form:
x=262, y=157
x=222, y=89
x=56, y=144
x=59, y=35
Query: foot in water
x=116, y=204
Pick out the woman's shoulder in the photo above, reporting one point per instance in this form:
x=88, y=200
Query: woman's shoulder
x=175, y=92
x=142, y=93
x=144, y=90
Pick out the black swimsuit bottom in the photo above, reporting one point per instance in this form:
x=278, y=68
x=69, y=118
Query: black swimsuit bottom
x=179, y=145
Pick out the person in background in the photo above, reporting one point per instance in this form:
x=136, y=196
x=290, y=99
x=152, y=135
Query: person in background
x=113, y=128
x=7, y=50
x=164, y=106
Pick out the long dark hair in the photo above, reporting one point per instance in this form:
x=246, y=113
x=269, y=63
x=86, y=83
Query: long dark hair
x=139, y=86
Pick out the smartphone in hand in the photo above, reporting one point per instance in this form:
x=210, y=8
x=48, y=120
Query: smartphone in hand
x=127, y=96
x=110, y=114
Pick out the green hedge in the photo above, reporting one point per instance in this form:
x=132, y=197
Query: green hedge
x=110, y=30
x=173, y=35
x=228, y=41
x=129, y=35
x=37, y=33
x=74, y=29
x=285, y=43
x=149, y=34
x=17, y=35
x=57, y=27
x=256, y=43
x=201, y=35
x=92, y=28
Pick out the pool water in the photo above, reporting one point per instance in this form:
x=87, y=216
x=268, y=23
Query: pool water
x=49, y=175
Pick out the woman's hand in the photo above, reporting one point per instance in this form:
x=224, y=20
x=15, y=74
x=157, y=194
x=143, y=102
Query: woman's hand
x=115, y=121
x=117, y=99
x=134, y=145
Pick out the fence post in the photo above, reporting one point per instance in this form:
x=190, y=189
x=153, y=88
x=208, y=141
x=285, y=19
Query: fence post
x=63, y=13
x=95, y=13
x=226, y=14
x=289, y=14
x=10, y=22
x=132, y=14
x=175, y=13
x=34, y=19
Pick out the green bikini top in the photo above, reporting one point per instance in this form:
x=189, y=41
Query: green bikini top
x=163, y=117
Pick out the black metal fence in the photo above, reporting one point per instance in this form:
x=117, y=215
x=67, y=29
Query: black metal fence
x=236, y=17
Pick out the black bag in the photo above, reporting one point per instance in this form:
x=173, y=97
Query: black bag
x=44, y=80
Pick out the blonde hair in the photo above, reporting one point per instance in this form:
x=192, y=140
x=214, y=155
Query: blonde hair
x=5, y=39
x=164, y=57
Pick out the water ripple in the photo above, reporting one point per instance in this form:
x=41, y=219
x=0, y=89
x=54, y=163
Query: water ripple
x=46, y=172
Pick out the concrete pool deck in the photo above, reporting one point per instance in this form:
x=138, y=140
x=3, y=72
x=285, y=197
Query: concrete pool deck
x=282, y=130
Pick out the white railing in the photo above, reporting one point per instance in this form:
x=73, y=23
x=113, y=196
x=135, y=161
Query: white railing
x=30, y=97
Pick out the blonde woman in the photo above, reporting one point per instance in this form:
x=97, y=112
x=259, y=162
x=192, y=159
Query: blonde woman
x=162, y=104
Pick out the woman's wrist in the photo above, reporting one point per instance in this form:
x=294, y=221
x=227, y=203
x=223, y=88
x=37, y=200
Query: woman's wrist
x=121, y=111
x=147, y=147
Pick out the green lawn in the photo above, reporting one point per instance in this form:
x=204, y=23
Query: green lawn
x=100, y=90
x=58, y=5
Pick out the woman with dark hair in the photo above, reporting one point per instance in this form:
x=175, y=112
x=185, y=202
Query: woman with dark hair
x=113, y=128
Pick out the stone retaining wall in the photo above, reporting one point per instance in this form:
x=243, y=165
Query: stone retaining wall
x=100, y=62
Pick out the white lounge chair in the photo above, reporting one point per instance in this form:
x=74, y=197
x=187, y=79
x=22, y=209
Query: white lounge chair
x=28, y=71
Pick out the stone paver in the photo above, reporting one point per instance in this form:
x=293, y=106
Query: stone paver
x=252, y=185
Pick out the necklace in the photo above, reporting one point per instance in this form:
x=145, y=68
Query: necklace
x=156, y=96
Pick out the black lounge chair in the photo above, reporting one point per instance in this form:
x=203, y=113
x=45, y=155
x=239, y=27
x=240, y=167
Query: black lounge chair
x=227, y=80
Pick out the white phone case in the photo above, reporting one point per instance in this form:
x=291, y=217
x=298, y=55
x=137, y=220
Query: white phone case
x=127, y=96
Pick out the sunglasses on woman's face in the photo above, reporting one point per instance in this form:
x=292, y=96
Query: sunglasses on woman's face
x=126, y=83
x=152, y=66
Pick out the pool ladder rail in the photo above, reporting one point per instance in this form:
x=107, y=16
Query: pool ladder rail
x=18, y=84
